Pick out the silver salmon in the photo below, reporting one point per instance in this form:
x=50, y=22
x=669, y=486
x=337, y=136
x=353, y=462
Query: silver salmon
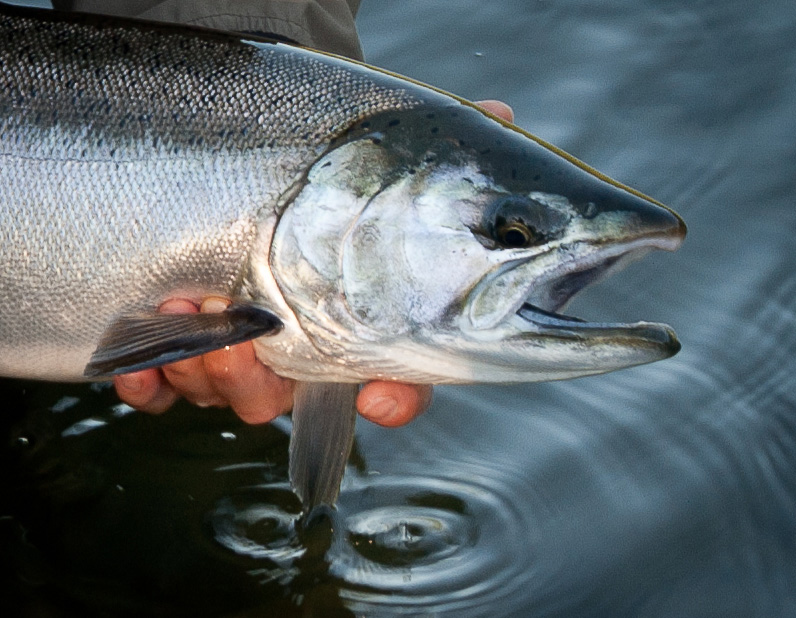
x=364, y=226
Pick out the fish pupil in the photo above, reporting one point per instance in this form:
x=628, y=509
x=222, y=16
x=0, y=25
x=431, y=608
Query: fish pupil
x=515, y=235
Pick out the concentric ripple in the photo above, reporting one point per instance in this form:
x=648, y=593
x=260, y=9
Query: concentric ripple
x=408, y=536
x=259, y=523
x=438, y=544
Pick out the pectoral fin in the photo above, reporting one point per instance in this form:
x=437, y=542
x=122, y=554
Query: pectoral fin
x=323, y=432
x=133, y=343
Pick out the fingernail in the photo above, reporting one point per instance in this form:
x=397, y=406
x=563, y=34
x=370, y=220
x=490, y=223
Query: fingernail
x=214, y=305
x=381, y=409
x=130, y=382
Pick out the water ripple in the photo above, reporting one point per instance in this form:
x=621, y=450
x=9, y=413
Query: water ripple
x=438, y=544
x=259, y=523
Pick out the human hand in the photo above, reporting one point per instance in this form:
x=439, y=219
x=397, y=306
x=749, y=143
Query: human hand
x=234, y=377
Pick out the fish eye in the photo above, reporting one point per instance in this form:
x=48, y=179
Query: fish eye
x=519, y=221
x=515, y=235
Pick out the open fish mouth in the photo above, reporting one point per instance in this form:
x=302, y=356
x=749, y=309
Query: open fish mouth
x=539, y=314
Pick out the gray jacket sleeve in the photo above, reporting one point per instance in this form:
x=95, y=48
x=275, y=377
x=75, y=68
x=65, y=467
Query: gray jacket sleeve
x=322, y=24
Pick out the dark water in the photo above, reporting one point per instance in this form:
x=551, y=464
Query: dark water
x=667, y=490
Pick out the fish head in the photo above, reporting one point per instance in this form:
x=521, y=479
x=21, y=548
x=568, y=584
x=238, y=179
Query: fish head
x=440, y=245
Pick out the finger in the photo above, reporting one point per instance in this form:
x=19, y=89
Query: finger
x=393, y=404
x=178, y=305
x=188, y=377
x=255, y=393
x=147, y=391
x=498, y=108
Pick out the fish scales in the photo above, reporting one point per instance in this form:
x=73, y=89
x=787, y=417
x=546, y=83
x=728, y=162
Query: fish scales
x=150, y=157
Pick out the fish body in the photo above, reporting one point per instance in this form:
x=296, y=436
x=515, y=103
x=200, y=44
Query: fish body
x=364, y=226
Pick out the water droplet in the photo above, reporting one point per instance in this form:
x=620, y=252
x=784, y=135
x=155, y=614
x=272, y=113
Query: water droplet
x=228, y=436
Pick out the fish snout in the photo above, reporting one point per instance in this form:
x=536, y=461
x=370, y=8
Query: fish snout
x=646, y=220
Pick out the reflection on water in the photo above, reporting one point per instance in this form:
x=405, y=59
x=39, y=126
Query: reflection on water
x=667, y=490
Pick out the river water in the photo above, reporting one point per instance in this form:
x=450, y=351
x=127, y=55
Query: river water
x=665, y=490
